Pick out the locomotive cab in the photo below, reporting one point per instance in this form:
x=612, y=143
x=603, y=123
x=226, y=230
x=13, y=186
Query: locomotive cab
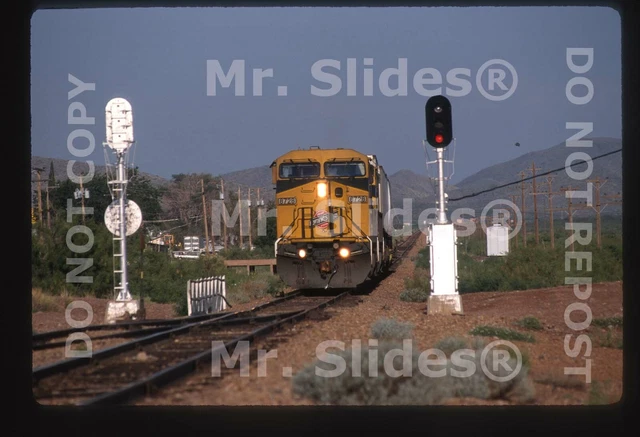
x=329, y=219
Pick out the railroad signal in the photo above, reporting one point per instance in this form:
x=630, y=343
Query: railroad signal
x=438, y=118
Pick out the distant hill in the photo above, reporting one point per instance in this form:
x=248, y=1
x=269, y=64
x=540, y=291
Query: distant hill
x=406, y=184
x=60, y=170
x=609, y=167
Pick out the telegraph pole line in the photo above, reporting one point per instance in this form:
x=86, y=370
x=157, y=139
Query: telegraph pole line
x=535, y=202
x=240, y=213
x=524, y=220
x=259, y=204
x=249, y=216
x=612, y=199
x=82, y=197
x=224, y=213
x=571, y=208
x=550, y=194
x=206, y=226
x=598, y=208
x=514, y=197
x=48, y=207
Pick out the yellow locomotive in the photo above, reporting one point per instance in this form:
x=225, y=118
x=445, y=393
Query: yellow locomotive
x=331, y=209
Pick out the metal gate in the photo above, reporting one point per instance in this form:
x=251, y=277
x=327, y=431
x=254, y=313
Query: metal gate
x=206, y=295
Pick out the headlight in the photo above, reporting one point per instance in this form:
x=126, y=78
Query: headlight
x=344, y=252
x=322, y=189
x=302, y=253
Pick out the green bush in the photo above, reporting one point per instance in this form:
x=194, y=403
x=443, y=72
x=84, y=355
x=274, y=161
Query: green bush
x=420, y=280
x=389, y=329
x=607, y=321
x=414, y=295
x=529, y=322
x=502, y=333
x=376, y=386
x=449, y=345
x=535, y=267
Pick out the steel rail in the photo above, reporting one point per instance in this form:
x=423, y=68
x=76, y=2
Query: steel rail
x=47, y=370
x=163, y=377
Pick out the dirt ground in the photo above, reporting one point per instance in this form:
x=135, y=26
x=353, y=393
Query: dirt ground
x=353, y=318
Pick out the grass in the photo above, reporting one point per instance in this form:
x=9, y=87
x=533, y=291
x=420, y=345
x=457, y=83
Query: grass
x=41, y=301
x=420, y=280
x=597, y=395
x=502, y=333
x=607, y=321
x=531, y=323
x=525, y=268
x=561, y=380
x=611, y=339
x=414, y=295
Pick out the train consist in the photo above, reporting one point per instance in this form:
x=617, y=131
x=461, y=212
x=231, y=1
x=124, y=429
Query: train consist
x=331, y=205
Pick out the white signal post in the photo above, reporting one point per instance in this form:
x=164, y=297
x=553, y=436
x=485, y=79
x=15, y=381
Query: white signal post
x=122, y=217
x=442, y=239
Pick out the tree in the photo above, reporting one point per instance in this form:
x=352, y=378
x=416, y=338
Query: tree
x=52, y=176
x=145, y=194
x=182, y=199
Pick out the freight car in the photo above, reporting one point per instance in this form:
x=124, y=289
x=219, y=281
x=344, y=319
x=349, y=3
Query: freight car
x=331, y=209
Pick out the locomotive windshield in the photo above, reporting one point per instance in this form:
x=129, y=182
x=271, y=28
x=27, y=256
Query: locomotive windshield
x=344, y=169
x=300, y=170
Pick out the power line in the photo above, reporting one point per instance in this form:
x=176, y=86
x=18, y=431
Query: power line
x=531, y=177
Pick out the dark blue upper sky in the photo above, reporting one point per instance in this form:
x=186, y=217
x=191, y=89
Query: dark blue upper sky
x=157, y=60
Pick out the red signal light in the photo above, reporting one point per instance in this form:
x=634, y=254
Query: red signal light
x=439, y=138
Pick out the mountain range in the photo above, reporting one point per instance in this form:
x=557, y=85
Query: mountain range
x=406, y=184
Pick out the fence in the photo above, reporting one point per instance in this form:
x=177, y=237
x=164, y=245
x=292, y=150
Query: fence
x=206, y=295
x=251, y=264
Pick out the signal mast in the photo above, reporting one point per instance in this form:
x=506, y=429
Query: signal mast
x=442, y=237
x=123, y=217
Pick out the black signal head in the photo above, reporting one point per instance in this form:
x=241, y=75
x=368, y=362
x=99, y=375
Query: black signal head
x=438, y=119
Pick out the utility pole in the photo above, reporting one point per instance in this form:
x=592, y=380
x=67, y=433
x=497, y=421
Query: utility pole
x=224, y=213
x=206, y=226
x=240, y=213
x=550, y=194
x=571, y=208
x=82, y=197
x=48, y=207
x=249, y=216
x=259, y=204
x=598, y=209
x=524, y=220
x=514, y=197
x=611, y=199
x=535, y=202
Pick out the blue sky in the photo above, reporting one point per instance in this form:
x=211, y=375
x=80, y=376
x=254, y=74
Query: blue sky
x=156, y=58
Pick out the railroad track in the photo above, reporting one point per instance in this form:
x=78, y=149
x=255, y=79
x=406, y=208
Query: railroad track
x=402, y=248
x=132, y=369
x=127, y=329
x=166, y=350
